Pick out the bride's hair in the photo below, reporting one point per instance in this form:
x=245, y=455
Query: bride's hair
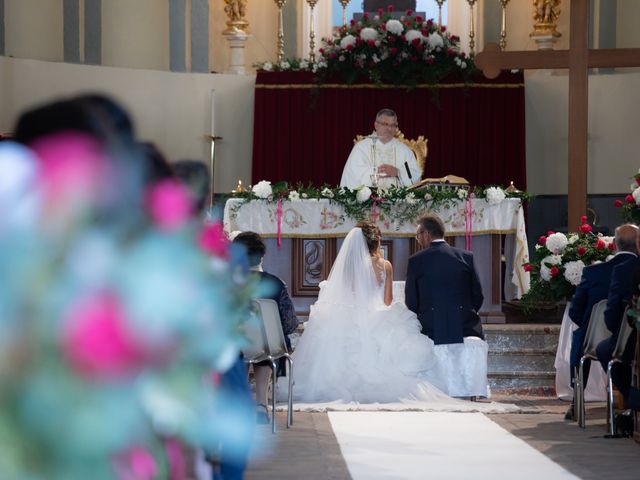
x=371, y=234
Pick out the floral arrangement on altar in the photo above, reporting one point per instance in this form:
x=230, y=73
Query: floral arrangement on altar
x=630, y=207
x=557, y=264
x=117, y=309
x=405, y=51
x=401, y=203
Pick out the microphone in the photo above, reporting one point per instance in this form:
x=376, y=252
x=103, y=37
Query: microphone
x=406, y=166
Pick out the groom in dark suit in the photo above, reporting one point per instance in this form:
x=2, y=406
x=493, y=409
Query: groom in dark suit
x=442, y=286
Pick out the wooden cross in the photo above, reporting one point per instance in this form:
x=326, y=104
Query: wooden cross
x=578, y=59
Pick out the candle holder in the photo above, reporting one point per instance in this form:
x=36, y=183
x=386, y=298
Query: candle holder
x=503, y=31
x=440, y=3
x=280, y=45
x=312, y=34
x=472, y=33
x=344, y=4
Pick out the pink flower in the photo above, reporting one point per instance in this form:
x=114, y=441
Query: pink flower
x=583, y=219
x=169, y=204
x=137, y=463
x=542, y=240
x=212, y=240
x=618, y=203
x=629, y=199
x=585, y=228
x=600, y=245
x=96, y=341
x=527, y=267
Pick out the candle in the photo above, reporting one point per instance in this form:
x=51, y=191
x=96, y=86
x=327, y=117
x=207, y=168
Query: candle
x=213, y=113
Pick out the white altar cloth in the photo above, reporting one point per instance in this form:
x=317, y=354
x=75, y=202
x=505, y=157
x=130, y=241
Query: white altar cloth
x=324, y=218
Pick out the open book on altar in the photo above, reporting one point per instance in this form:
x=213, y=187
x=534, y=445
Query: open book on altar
x=447, y=180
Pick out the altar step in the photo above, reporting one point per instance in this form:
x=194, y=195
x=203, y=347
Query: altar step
x=521, y=357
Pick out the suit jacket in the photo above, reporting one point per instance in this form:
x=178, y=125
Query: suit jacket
x=593, y=288
x=443, y=289
x=620, y=291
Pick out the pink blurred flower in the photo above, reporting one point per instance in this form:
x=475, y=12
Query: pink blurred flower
x=95, y=339
x=137, y=463
x=170, y=204
x=212, y=240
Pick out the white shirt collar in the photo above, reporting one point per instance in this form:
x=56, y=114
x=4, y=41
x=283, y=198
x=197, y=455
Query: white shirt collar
x=438, y=240
x=628, y=253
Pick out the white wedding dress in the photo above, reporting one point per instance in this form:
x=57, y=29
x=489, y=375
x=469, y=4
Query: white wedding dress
x=357, y=351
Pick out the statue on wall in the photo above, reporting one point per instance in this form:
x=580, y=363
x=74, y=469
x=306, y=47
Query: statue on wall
x=545, y=16
x=546, y=11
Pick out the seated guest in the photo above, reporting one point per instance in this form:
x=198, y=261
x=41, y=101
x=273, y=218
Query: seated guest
x=381, y=158
x=619, y=297
x=593, y=288
x=272, y=287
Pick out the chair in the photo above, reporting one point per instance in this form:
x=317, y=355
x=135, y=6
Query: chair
x=596, y=332
x=417, y=146
x=616, y=357
x=267, y=343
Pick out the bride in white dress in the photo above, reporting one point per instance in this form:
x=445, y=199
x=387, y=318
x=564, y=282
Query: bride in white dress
x=359, y=346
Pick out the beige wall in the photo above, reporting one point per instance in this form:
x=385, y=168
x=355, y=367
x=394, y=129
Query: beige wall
x=135, y=34
x=33, y=29
x=172, y=110
x=628, y=33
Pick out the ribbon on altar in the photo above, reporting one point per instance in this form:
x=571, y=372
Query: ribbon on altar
x=468, y=225
x=374, y=213
x=279, y=221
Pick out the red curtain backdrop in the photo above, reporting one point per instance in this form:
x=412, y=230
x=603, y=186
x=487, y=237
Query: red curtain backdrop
x=477, y=131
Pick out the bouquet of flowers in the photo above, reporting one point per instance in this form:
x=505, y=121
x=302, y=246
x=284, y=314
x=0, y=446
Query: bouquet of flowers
x=405, y=51
x=630, y=207
x=558, y=261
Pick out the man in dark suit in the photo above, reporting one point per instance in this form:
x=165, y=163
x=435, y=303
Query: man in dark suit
x=442, y=286
x=619, y=297
x=593, y=288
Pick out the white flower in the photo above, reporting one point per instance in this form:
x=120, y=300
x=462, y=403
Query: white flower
x=411, y=35
x=435, y=40
x=394, y=26
x=304, y=195
x=428, y=197
x=411, y=198
x=368, y=33
x=267, y=66
x=636, y=195
x=342, y=58
x=495, y=195
x=573, y=238
x=348, y=40
x=633, y=186
x=573, y=272
x=327, y=192
x=545, y=270
x=376, y=18
x=463, y=65
x=284, y=65
x=607, y=240
x=262, y=189
x=375, y=58
x=294, y=196
x=556, y=242
x=363, y=194
x=538, y=246
x=462, y=193
x=304, y=64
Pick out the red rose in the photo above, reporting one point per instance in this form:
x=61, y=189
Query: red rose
x=429, y=60
x=450, y=52
x=358, y=40
x=371, y=43
x=332, y=56
x=527, y=267
x=413, y=58
x=365, y=16
x=612, y=246
x=415, y=42
x=409, y=13
x=425, y=32
x=391, y=39
x=381, y=11
x=349, y=47
x=430, y=22
x=407, y=24
x=393, y=50
x=583, y=219
x=389, y=8
x=585, y=228
x=554, y=271
x=638, y=179
x=419, y=18
x=582, y=251
x=542, y=240
x=629, y=199
x=419, y=47
x=600, y=244
x=443, y=29
x=550, y=232
x=352, y=22
x=383, y=26
x=618, y=203
x=321, y=51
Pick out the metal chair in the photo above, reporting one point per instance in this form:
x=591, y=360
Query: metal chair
x=616, y=357
x=596, y=332
x=274, y=347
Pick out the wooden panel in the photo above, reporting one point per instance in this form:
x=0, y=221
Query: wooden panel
x=386, y=246
x=311, y=264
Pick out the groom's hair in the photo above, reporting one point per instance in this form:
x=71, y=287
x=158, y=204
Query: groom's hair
x=432, y=224
x=254, y=244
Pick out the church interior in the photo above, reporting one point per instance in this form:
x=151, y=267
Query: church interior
x=167, y=165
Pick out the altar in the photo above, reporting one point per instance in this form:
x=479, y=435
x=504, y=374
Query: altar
x=304, y=236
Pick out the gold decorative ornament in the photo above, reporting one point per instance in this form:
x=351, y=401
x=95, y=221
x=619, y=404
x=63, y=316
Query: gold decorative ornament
x=545, y=17
x=503, y=30
x=512, y=188
x=344, y=4
x=472, y=33
x=440, y=3
x=312, y=34
x=280, y=47
x=239, y=188
x=236, y=11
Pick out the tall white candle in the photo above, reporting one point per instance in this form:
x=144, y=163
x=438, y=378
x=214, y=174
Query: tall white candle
x=213, y=112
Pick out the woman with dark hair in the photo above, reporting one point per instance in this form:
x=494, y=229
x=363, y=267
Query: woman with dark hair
x=271, y=287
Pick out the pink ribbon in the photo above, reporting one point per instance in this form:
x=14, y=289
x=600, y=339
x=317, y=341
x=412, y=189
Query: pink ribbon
x=279, y=220
x=176, y=459
x=468, y=225
x=374, y=213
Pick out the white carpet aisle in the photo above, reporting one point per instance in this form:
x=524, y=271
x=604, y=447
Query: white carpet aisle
x=437, y=446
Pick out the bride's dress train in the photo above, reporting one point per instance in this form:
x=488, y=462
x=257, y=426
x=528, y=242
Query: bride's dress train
x=358, y=353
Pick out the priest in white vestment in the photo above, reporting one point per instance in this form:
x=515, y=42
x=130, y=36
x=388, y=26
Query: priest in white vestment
x=381, y=159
